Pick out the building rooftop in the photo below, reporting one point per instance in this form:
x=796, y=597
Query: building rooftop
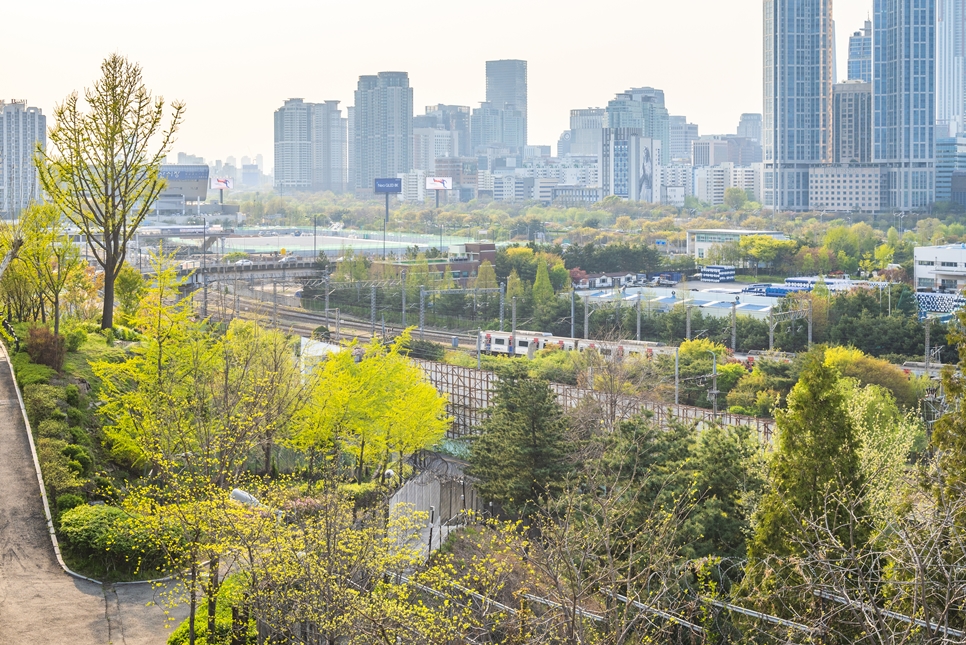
x=736, y=231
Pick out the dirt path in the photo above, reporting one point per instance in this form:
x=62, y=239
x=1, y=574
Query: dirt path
x=39, y=602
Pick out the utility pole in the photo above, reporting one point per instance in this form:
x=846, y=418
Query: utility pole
x=326, y=302
x=204, y=268
x=677, y=375
x=714, y=383
x=404, y=298
x=771, y=329
x=638, y=316
x=513, y=318
x=734, y=326
x=687, y=323
x=573, y=304
x=809, y=322
x=502, y=303
x=372, y=309
x=422, y=311
x=275, y=303
x=928, y=352
x=586, y=318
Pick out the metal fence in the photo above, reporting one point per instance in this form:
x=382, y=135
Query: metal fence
x=470, y=391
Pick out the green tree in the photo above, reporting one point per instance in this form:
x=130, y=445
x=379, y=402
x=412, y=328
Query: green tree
x=521, y=455
x=735, y=198
x=815, y=467
x=104, y=175
x=50, y=252
x=542, y=289
x=130, y=288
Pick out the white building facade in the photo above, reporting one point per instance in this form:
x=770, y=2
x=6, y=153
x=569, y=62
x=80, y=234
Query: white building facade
x=22, y=129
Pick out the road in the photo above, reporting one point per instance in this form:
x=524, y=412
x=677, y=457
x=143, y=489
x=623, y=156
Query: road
x=39, y=602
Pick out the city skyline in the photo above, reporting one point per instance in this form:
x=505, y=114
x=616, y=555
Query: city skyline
x=712, y=87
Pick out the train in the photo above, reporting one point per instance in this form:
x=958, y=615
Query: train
x=525, y=343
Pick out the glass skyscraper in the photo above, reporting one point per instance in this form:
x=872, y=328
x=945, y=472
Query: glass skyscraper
x=506, y=84
x=860, y=54
x=797, y=128
x=904, y=99
x=950, y=68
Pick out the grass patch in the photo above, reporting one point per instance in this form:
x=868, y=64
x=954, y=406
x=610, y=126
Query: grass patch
x=78, y=364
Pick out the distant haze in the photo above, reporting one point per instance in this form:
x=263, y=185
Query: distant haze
x=234, y=63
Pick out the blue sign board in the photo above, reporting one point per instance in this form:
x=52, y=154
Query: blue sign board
x=660, y=242
x=390, y=185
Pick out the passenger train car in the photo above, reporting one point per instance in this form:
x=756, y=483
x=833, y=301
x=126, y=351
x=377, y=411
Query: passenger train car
x=525, y=343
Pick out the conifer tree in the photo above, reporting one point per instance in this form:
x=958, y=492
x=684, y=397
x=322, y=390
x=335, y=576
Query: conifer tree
x=815, y=469
x=521, y=457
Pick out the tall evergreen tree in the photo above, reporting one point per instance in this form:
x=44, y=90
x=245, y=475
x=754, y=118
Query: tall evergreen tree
x=815, y=467
x=521, y=457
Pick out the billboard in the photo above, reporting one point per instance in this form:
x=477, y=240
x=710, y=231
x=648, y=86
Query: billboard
x=388, y=185
x=439, y=183
x=645, y=175
x=225, y=183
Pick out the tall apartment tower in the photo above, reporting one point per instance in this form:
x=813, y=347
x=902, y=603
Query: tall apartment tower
x=860, y=54
x=383, y=128
x=642, y=108
x=310, y=147
x=22, y=129
x=950, y=68
x=682, y=136
x=852, y=122
x=796, y=122
x=749, y=126
x=350, y=131
x=904, y=99
x=506, y=84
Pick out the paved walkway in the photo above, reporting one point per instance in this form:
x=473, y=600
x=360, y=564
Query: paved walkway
x=39, y=602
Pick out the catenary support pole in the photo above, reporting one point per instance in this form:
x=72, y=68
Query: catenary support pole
x=734, y=326
x=513, y=319
x=586, y=318
x=687, y=323
x=638, y=316
x=573, y=305
x=422, y=311
x=372, y=310
x=404, y=298
x=502, y=303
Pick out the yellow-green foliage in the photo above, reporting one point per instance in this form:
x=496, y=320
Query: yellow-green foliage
x=378, y=409
x=853, y=363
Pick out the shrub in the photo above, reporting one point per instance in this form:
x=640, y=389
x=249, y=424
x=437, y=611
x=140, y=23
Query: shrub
x=76, y=417
x=46, y=348
x=72, y=395
x=79, y=458
x=426, y=350
x=75, y=339
x=30, y=373
x=52, y=429
x=59, y=476
x=321, y=333
x=362, y=495
x=42, y=403
x=80, y=436
x=68, y=501
x=114, y=538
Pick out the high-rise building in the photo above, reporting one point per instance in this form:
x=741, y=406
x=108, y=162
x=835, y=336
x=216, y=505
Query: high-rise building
x=860, y=54
x=310, y=147
x=749, y=126
x=585, y=130
x=491, y=125
x=350, y=165
x=950, y=160
x=950, y=68
x=506, y=84
x=430, y=144
x=629, y=163
x=681, y=136
x=22, y=129
x=852, y=122
x=710, y=151
x=904, y=99
x=796, y=123
x=383, y=128
x=455, y=119
x=643, y=108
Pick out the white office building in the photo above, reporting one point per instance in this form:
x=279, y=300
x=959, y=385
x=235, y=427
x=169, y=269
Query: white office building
x=848, y=187
x=430, y=144
x=22, y=129
x=940, y=268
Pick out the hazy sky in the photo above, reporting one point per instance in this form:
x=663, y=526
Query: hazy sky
x=234, y=63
